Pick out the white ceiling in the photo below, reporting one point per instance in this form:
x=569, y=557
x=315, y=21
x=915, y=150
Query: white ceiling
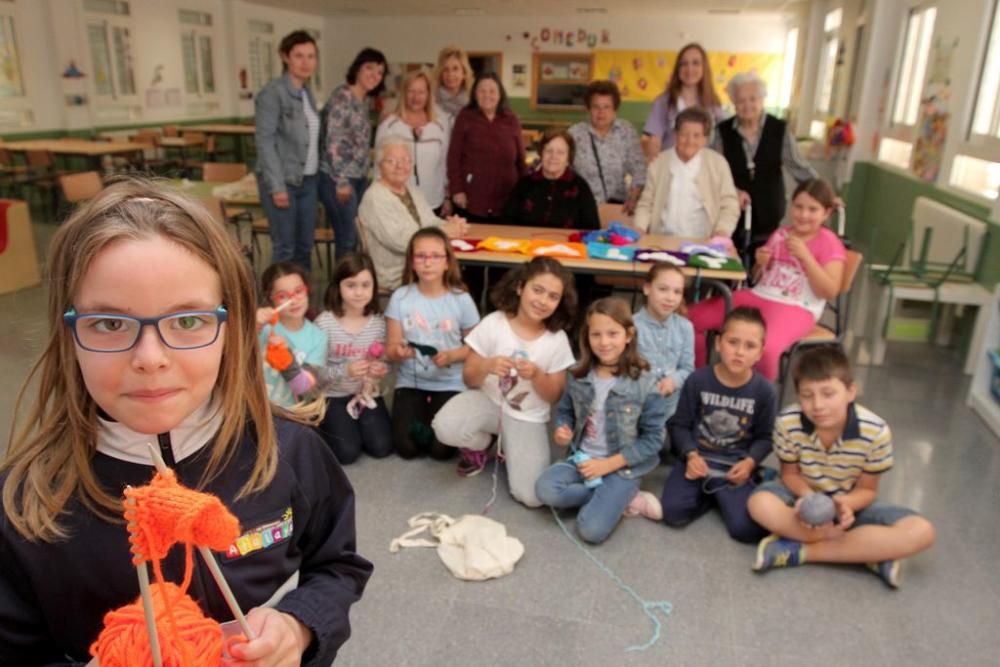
x=526, y=7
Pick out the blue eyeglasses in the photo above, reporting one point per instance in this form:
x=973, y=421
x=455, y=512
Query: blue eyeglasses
x=104, y=332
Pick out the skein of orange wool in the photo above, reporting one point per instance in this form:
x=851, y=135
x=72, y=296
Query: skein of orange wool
x=124, y=642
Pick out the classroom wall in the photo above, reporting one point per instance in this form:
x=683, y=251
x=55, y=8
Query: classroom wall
x=416, y=39
x=51, y=33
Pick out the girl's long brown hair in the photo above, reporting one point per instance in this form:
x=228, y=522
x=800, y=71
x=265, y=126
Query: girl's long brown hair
x=706, y=90
x=452, y=275
x=48, y=461
x=631, y=363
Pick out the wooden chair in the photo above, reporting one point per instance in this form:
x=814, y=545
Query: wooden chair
x=44, y=176
x=223, y=172
x=80, y=187
x=171, y=131
x=831, y=333
x=13, y=176
x=321, y=236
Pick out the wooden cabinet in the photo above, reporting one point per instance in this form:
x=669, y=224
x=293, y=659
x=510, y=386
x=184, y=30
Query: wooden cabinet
x=559, y=80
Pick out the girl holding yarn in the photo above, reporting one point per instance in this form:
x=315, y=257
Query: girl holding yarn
x=666, y=337
x=283, y=326
x=355, y=332
x=614, y=418
x=426, y=321
x=799, y=268
x=516, y=370
x=152, y=340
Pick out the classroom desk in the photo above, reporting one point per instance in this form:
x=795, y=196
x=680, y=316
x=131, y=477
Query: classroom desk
x=203, y=190
x=718, y=279
x=182, y=144
x=237, y=131
x=94, y=151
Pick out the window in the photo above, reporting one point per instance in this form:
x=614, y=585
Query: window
x=11, y=83
x=986, y=119
x=261, y=52
x=110, y=41
x=788, y=68
x=913, y=65
x=828, y=61
x=196, y=50
x=895, y=152
x=979, y=176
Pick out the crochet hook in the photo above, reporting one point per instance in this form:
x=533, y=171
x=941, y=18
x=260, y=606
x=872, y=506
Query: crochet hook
x=147, y=603
x=206, y=554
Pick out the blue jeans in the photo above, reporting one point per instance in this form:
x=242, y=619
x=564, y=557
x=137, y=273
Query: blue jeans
x=342, y=214
x=876, y=514
x=601, y=507
x=293, y=228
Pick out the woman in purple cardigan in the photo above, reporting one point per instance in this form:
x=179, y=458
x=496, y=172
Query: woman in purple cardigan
x=486, y=154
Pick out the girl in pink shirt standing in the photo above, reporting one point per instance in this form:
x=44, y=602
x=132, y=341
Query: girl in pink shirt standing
x=798, y=270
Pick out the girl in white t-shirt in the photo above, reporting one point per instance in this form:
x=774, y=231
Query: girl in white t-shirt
x=515, y=371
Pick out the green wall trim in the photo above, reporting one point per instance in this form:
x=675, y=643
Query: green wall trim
x=878, y=215
x=89, y=132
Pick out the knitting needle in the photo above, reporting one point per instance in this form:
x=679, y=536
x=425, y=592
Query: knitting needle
x=206, y=554
x=147, y=603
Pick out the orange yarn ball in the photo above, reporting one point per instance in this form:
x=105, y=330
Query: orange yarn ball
x=124, y=641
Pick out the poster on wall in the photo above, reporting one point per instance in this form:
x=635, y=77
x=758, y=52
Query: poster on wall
x=643, y=75
x=932, y=128
x=11, y=84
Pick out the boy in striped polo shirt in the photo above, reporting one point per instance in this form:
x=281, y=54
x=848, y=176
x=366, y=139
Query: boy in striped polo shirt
x=829, y=444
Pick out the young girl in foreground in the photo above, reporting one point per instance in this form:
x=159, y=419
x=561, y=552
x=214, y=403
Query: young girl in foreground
x=666, y=337
x=613, y=413
x=516, y=370
x=353, y=323
x=427, y=319
x=287, y=283
x=151, y=318
x=798, y=270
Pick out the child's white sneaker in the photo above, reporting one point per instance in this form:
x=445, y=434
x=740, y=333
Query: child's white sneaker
x=645, y=504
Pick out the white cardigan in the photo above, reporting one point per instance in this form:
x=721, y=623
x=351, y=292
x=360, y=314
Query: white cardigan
x=430, y=153
x=387, y=227
x=715, y=188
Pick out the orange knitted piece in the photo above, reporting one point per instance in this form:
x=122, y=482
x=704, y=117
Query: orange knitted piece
x=278, y=356
x=160, y=515
x=166, y=512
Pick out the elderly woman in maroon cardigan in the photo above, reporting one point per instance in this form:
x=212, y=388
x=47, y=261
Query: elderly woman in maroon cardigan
x=486, y=154
x=554, y=195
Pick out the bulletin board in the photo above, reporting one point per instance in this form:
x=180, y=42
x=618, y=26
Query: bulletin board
x=642, y=75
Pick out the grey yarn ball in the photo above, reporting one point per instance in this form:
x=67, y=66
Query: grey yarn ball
x=817, y=509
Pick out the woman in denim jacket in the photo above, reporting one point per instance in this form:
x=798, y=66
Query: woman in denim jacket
x=287, y=137
x=613, y=417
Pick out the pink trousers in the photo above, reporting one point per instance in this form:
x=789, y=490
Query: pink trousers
x=785, y=325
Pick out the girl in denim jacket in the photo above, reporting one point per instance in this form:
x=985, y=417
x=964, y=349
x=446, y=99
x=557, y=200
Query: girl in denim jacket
x=613, y=417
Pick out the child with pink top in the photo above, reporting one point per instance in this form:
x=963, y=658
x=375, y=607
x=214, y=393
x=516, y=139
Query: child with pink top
x=798, y=270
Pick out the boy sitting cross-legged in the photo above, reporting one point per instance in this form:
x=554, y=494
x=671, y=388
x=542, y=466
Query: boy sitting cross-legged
x=829, y=444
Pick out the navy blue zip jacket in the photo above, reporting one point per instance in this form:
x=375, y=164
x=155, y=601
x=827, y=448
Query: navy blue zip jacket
x=53, y=597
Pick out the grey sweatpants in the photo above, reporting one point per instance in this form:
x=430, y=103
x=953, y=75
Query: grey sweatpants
x=469, y=419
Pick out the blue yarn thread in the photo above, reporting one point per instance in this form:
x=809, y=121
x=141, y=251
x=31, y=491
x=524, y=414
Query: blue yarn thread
x=647, y=607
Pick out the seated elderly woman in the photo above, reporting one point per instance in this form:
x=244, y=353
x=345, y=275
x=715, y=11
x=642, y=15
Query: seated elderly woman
x=392, y=210
x=689, y=190
x=554, y=195
x=608, y=153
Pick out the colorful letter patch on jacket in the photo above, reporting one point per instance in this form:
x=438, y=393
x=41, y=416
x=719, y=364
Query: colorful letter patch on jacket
x=262, y=537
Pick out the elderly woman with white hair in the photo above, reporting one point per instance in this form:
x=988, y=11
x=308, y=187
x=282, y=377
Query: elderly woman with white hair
x=392, y=210
x=757, y=145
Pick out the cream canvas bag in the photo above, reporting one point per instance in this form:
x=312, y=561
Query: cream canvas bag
x=472, y=547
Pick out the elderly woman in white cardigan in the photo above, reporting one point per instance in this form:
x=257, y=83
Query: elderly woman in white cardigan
x=392, y=210
x=689, y=189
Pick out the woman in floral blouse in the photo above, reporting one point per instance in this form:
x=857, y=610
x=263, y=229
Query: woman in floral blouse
x=347, y=149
